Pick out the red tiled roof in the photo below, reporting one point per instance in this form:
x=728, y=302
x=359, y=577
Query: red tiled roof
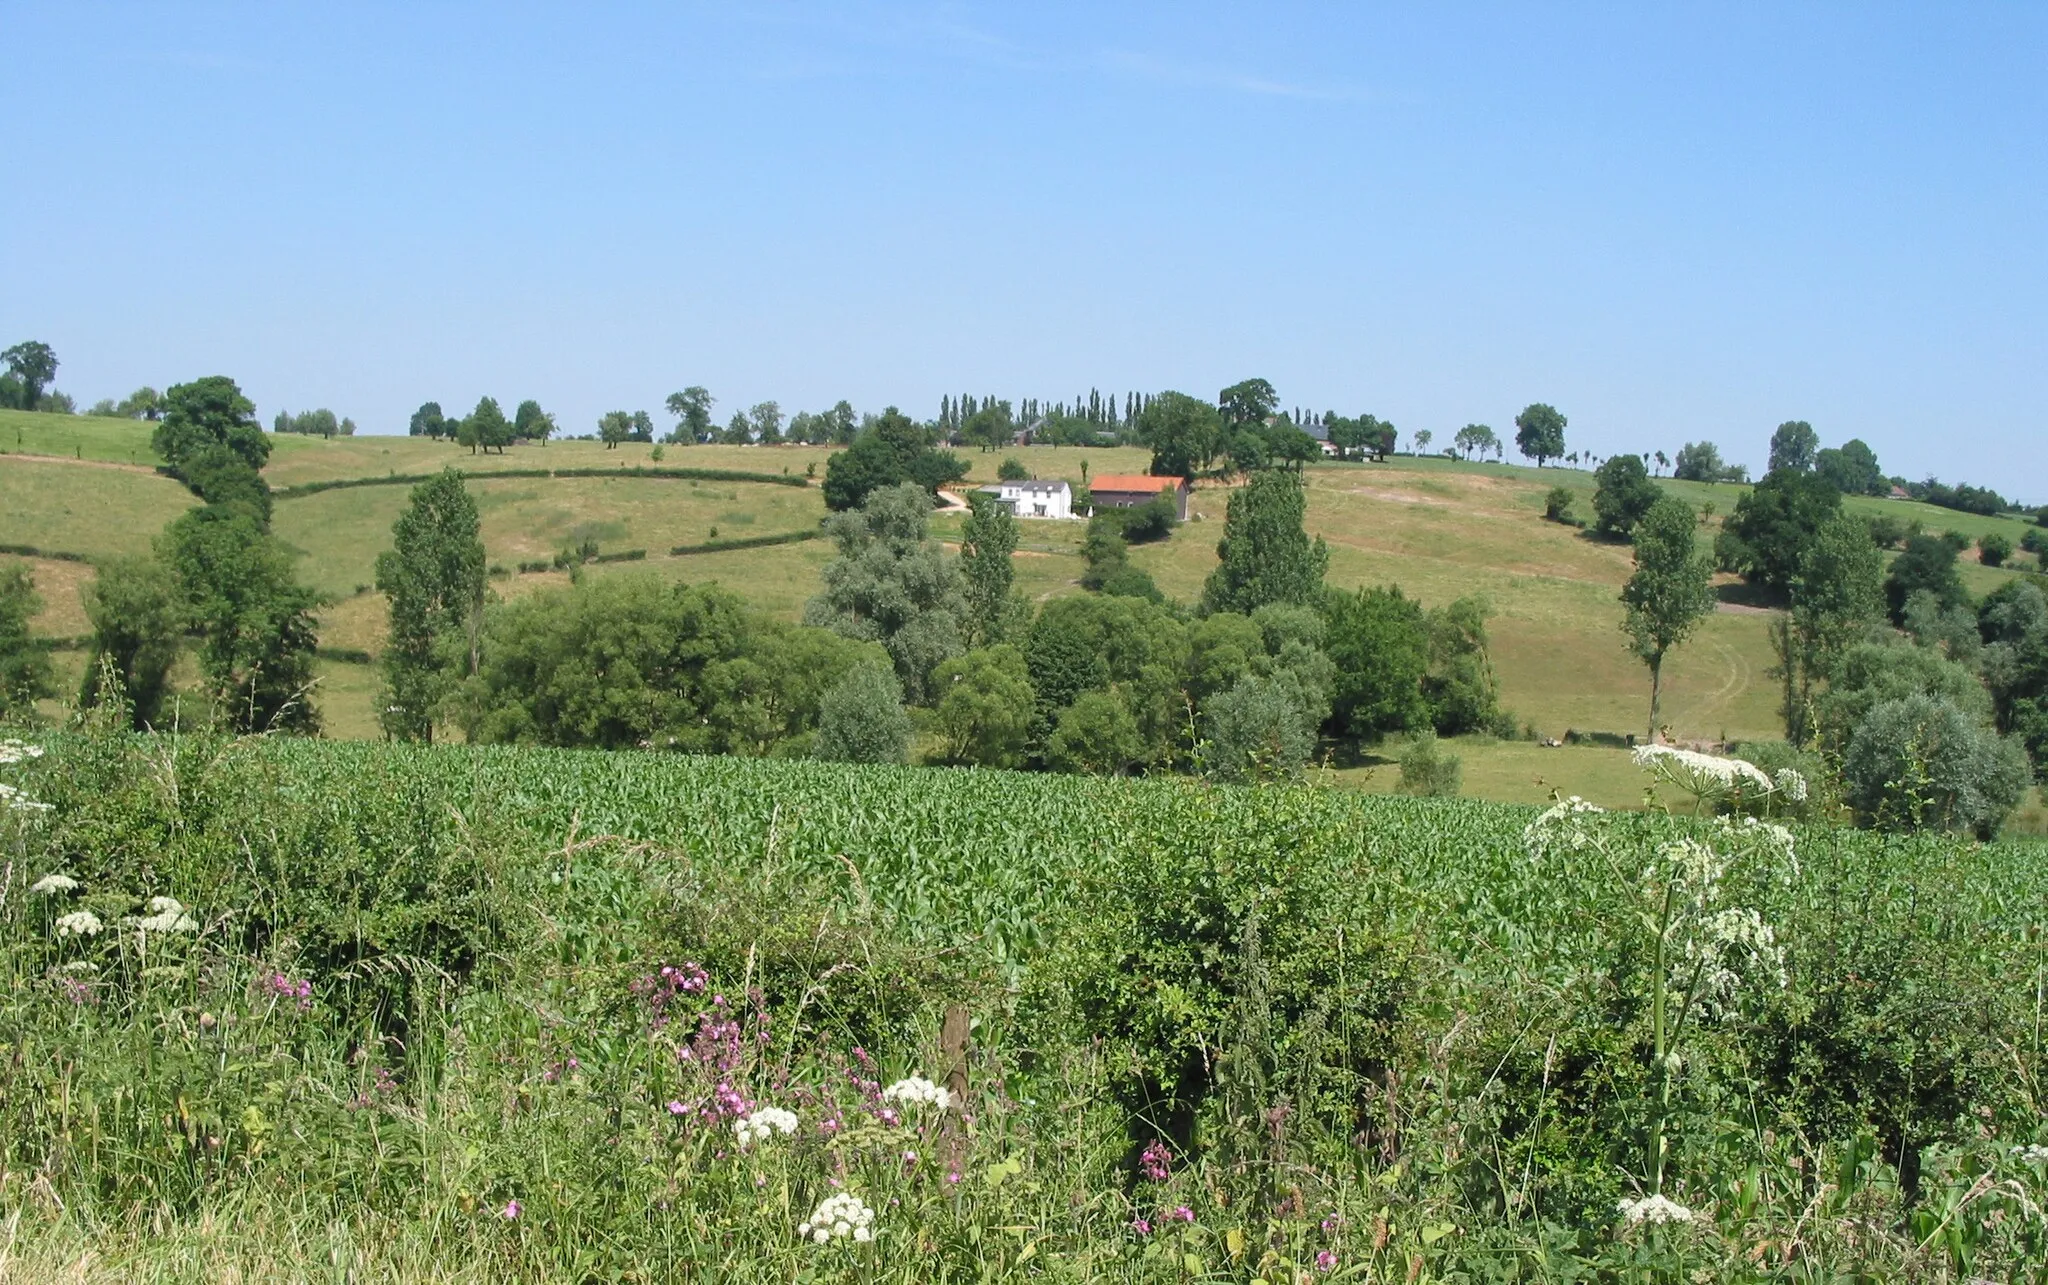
x=1133, y=482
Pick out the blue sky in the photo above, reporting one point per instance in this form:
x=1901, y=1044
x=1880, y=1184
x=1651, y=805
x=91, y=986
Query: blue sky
x=1672, y=222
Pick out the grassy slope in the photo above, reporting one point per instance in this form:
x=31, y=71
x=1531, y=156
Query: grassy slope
x=1437, y=528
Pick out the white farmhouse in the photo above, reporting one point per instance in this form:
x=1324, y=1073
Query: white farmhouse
x=1035, y=498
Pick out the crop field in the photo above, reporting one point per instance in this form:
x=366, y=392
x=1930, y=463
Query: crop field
x=475, y=1015
x=1437, y=528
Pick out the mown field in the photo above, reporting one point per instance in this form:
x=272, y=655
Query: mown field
x=1438, y=528
x=479, y=1015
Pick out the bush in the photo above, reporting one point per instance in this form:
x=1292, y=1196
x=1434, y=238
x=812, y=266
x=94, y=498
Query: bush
x=1427, y=769
x=1887, y=532
x=1012, y=470
x=1625, y=494
x=1993, y=549
x=1557, y=506
x=1920, y=762
x=862, y=720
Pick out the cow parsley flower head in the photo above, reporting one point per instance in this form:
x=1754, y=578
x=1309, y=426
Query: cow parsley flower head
x=1559, y=828
x=1791, y=784
x=13, y=751
x=2032, y=1154
x=52, y=884
x=840, y=1216
x=79, y=923
x=1653, y=1209
x=1700, y=773
x=918, y=1091
x=166, y=915
x=15, y=800
x=763, y=1124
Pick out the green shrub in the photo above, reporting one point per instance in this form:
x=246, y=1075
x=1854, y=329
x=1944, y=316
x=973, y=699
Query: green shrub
x=1428, y=770
x=1557, y=505
x=1919, y=762
x=1993, y=549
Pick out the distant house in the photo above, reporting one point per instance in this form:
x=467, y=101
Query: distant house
x=1901, y=493
x=1129, y=490
x=1321, y=436
x=1035, y=499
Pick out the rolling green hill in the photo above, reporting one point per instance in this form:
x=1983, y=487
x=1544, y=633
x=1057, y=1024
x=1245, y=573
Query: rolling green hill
x=1438, y=528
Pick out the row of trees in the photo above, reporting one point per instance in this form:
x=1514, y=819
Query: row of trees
x=485, y=428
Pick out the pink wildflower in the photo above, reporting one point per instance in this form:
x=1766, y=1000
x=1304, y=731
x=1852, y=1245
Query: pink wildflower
x=1325, y=1260
x=512, y=1208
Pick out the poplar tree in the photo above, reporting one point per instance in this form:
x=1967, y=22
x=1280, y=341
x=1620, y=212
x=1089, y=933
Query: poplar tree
x=434, y=577
x=987, y=539
x=1265, y=554
x=1671, y=591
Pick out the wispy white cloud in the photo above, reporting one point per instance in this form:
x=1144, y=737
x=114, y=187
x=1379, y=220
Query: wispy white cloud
x=1177, y=72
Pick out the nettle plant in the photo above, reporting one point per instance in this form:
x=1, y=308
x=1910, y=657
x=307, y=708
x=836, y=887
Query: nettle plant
x=1691, y=901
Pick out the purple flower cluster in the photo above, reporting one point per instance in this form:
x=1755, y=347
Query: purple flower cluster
x=383, y=1086
x=279, y=986
x=658, y=988
x=1152, y=1162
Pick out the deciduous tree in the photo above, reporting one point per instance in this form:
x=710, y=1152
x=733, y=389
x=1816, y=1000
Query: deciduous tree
x=1539, y=432
x=1265, y=554
x=33, y=364
x=1793, y=446
x=434, y=577
x=1671, y=591
x=138, y=624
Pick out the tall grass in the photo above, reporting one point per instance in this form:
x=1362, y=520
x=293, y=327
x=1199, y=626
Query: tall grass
x=494, y=1014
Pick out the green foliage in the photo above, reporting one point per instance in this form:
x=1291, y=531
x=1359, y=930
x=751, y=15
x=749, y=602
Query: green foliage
x=893, y=586
x=485, y=428
x=2013, y=620
x=31, y=365
x=1837, y=595
x=1919, y=761
x=988, y=538
x=985, y=706
x=1851, y=469
x=1081, y=644
x=1539, y=432
x=1263, y=728
x=1557, y=505
x=1670, y=592
x=428, y=422
x=1625, y=494
x=254, y=619
x=25, y=675
x=138, y=620
x=1928, y=564
x=1153, y=520
x=893, y=451
x=1265, y=555
x=1766, y=537
x=1993, y=549
x=1475, y=439
x=692, y=409
x=1429, y=770
x=1012, y=470
x=862, y=719
x=1185, y=434
x=1701, y=462
x=202, y=419
x=1250, y=401
x=1869, y=674
x=434, y=577
x=1460, y=687
x=1793, y=445
x=532, y=424
x=1379, y=641
x=1096, y=735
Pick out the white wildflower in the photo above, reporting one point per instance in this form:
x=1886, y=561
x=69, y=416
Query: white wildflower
x=166, y=915
x=1653, y=1209
x=918, y=1091
x=1731, y=943
x=52, y=884
x=13, y=751
x=79, y=923
x=763, y=1124
x=1701, y=775
x=2032, y=1154
x=841, y=1215
x=1699, y=865
x=19, y=802
x=1558, y=827
x=1790, y=784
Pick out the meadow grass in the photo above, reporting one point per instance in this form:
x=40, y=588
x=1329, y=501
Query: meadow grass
x=1437, y=528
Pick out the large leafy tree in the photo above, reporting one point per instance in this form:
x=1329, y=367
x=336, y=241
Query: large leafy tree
x=434, y=577
x=1699, y=462
x=862, y=719
x=206, y=419
x=1185, y=434
x=428, y=421
x=1671, y=591
x=985, y=706
x=1379, y=641
x=1265, y=554
x=1851, y=468
x=1539, y=432
x=255, y=620
x=24, y=666
x=1927, y=564
x=487, y=426
x=1475, y=439
x=532, y=424
x=692, y=409
x=33, y=364
x=1767, y=536
x=1624, y=494
x=1837, y=594
x=1248, y=402
x=892, y=585
x=138, y=620
x=1793, y=446
x=894, y=450
x=1136, y=646
x=988, y=538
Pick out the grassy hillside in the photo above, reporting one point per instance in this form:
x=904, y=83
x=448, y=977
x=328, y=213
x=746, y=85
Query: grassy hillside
x=1437, y=528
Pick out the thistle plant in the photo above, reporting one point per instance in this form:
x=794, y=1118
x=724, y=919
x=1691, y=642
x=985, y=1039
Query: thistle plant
x=1706, y=946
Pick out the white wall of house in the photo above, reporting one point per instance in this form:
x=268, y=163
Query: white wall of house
x=1036, y=499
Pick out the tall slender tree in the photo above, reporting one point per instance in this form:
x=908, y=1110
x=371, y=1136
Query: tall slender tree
x=434, y=576
x=1671, y=591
